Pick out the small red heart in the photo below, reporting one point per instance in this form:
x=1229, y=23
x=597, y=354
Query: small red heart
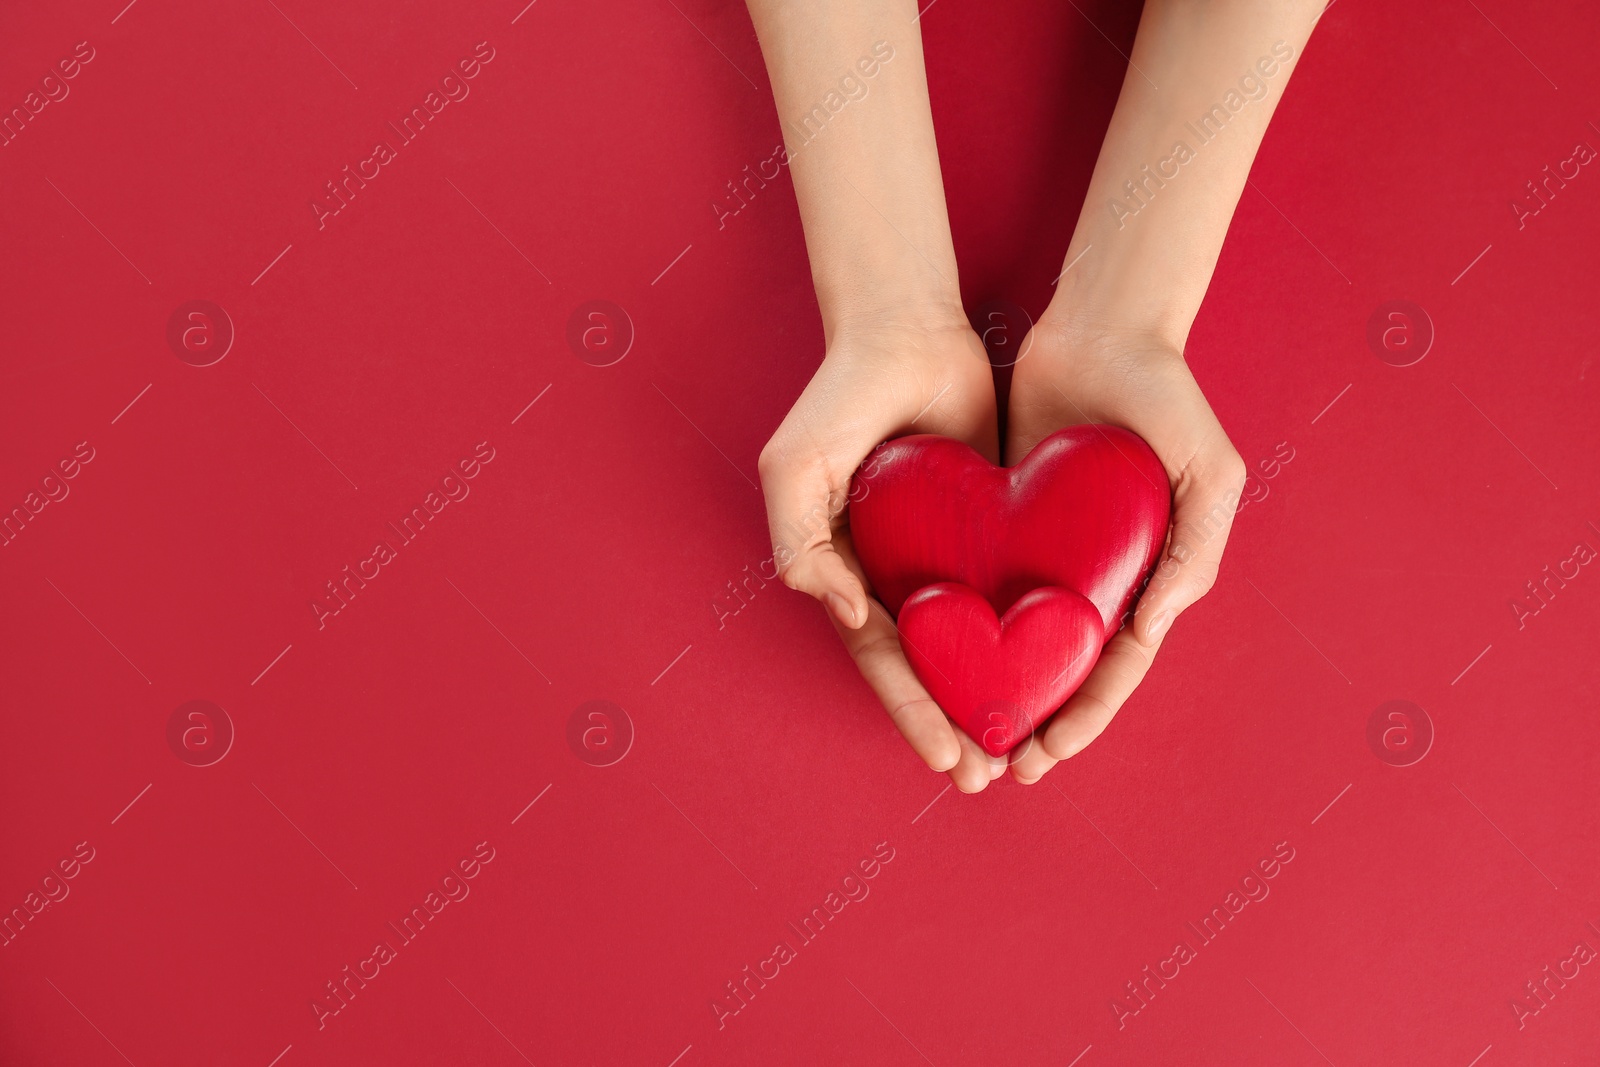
x=999, y=678
x=1085, y=511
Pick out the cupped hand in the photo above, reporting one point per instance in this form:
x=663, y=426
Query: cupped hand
x=1074, y=374
x=876, y=383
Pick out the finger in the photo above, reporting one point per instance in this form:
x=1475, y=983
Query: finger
x=875, y=646
x=1089, y=711
x=1204, y=502
x=802, y=503
x=1031, y=762
x=806, y=477
x=976, y=767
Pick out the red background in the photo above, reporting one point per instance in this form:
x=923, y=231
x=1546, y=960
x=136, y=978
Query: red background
x=371, y=755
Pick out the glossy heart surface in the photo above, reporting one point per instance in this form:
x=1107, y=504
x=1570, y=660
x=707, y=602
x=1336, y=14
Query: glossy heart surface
x=1086, y=511
x=999, y=677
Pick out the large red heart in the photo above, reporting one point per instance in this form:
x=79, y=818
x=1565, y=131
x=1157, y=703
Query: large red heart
x=1086, y=511
x=993, y=675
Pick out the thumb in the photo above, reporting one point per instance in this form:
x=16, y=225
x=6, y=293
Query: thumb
x=1204, y=502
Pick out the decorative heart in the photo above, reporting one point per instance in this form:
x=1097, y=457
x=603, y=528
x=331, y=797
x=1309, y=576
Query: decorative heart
x=1085, y=511
x=998, y=677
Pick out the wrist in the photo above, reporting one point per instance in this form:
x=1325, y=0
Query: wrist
x=1124, y=292
x=871, y=308
x=1084, y=334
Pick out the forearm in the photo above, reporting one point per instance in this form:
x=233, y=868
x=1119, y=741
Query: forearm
x=1204, y=82
x=852, y=98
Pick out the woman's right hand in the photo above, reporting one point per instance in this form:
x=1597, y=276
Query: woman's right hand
x=927, y=375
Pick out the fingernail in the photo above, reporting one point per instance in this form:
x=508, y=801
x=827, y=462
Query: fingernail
x=841, y=609
x=1158, y=626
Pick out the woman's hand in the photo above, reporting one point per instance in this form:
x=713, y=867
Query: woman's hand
x=928, y=374
x=1110, y=347
x=1076, y=374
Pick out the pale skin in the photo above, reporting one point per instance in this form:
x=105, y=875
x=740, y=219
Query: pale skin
x=902, y=358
